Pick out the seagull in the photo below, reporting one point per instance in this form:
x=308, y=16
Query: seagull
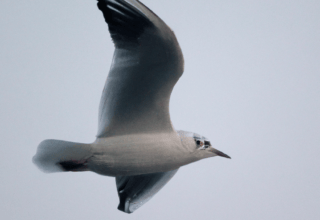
x=136, y=142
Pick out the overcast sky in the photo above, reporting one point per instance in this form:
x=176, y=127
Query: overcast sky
x=251, y=85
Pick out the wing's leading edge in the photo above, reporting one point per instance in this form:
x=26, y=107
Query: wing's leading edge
x=135, y=191
x=146, y=65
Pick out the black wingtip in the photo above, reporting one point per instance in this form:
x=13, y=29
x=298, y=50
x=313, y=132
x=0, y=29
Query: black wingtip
x=126, y=23
x=124, y=203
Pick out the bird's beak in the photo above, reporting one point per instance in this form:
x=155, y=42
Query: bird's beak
x=219, y=153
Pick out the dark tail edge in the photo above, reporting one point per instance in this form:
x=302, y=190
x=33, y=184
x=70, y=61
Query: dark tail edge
x=62, y=156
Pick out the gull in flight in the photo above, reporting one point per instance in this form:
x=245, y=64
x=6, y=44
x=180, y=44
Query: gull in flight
x=136, y=142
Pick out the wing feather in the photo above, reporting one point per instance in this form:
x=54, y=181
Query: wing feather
x=135, y=191
x=147, y=64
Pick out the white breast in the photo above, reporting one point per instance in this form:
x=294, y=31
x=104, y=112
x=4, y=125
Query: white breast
x=138, y=154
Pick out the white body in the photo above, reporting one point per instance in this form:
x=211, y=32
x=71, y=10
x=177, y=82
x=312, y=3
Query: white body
x=140, y=154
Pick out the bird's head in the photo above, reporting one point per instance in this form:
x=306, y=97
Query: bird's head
x=204, y=148
x=199, y=145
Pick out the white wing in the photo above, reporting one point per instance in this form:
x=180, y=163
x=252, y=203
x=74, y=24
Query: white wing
x=135, y=191
x=147, y=64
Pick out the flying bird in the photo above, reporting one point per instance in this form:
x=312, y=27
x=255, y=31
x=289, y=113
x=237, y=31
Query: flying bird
x=136, y=142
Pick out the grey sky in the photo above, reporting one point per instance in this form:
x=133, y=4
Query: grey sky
x=251, y=85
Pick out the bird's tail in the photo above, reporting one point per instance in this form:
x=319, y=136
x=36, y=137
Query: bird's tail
x=58, y=156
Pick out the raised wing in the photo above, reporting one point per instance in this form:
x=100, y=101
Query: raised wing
x=146, y=65
x=135, y=191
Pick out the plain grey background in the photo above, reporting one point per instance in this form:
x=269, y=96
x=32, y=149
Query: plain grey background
x=251, y=85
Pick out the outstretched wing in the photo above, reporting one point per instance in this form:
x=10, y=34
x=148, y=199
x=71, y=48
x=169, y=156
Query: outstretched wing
x=146, y=65
x=135, y=191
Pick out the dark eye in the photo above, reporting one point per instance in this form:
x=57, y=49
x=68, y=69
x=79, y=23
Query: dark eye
x=200, y=143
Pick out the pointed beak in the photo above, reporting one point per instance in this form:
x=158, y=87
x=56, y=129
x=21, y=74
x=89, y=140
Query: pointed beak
x=219, y=153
